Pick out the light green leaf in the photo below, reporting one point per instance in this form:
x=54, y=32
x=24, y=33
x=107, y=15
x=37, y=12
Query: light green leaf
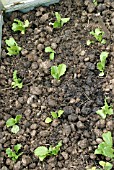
x=106, y=165
x=61, y=69
x=15, y=129
x=48, y=120
x=58, y=17
x=17, y=147
x=107, y=138
x=54, y=115
x=41, y=152
x=60, y=112
x=109, y=152
x=54, y=72
x=9, y=152
x=64, y=20
x=10, y=122
x=49, y=50
x=17, y=118
x=101, y=113
x=51, y=56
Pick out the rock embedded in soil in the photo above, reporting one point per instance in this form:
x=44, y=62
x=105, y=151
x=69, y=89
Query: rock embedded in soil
x=35, y=90
x=66, y=129
x=83, y=143
x=26, y=160
x=17, y=166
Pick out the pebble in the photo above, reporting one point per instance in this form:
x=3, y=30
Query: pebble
x=52, y=102
x=66, y=130
x=92, y=156
x=80, y=125
x=99, y=140
x=40, y=47
x=35, y=90
x=26, y=160
x=55, y=123
x=33, y=133
x=65, y=155
x=17, y=166
x=72, y=118
x=44, y=133
x=34, y=65
x=34, y=126
x=44, y=18
x=48, y=29
x=112, y=21
x=4, y=168
x=83, y=143
x=54, y=46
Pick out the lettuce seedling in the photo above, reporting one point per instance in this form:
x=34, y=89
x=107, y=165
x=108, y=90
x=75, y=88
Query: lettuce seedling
x=13, y=48
x=42, y=152
x=98, y=34
x=51, y=51
x=101, y=64
x=89, y=42
x=95, y=2
x=11, y=122
x=105, y=110
x=105, y=148
x=16, y=81
x=14, y=155
x=58, y=71
x=54, y=116
x=105, y=166
x=60, y=21
x=20, y=26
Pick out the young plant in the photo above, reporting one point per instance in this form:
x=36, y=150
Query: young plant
x=95, y=2
x=11, y=122
x=105, y=166
x=20, y=26
x=16, y=81
x=89, y=42
x=54, y=116
x=14, y=155
x=105, y=148
x=58, y=71
x=13, y=48
x=98, y=34
x=105, y=110
x=101, y=64
x=60, y=21
x=42, y=152
x=51, y=51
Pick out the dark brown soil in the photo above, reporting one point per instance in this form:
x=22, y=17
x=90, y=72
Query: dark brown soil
x=79, y=93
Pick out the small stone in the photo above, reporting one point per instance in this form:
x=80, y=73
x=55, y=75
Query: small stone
x=34, y=65
x=34, y=126
x=86, y=59
x=17, y=166
x=18, y=104
x=35, y=90
x=55, y=123
x=92, y=156
x=65, y=155
x=48, y=29
x=83, y=143
x=80, y=125
x=40, y=47
x=112, y=20
x=99, y=140
x=52, y=102
x=38, y=13
x=72, y=117
x=101, y=7
x=33, y=133
x=2, y=123
x=4, y=168
x=26, y=160
x=44, y=18
x=44, y=133
x=66, y=130
x=54, y=46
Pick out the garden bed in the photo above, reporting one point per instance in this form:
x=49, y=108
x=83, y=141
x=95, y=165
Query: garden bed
x=80, y=91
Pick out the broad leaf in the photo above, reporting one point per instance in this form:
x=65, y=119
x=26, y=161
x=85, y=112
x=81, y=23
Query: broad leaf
x=17, y=147
x=107, y=138
x=15, y=129
x=10, y=122
x=48, y=120
x=54, y=115
x=17, y=119
x=41, y=151
x=60, y=112
x=61, y=69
